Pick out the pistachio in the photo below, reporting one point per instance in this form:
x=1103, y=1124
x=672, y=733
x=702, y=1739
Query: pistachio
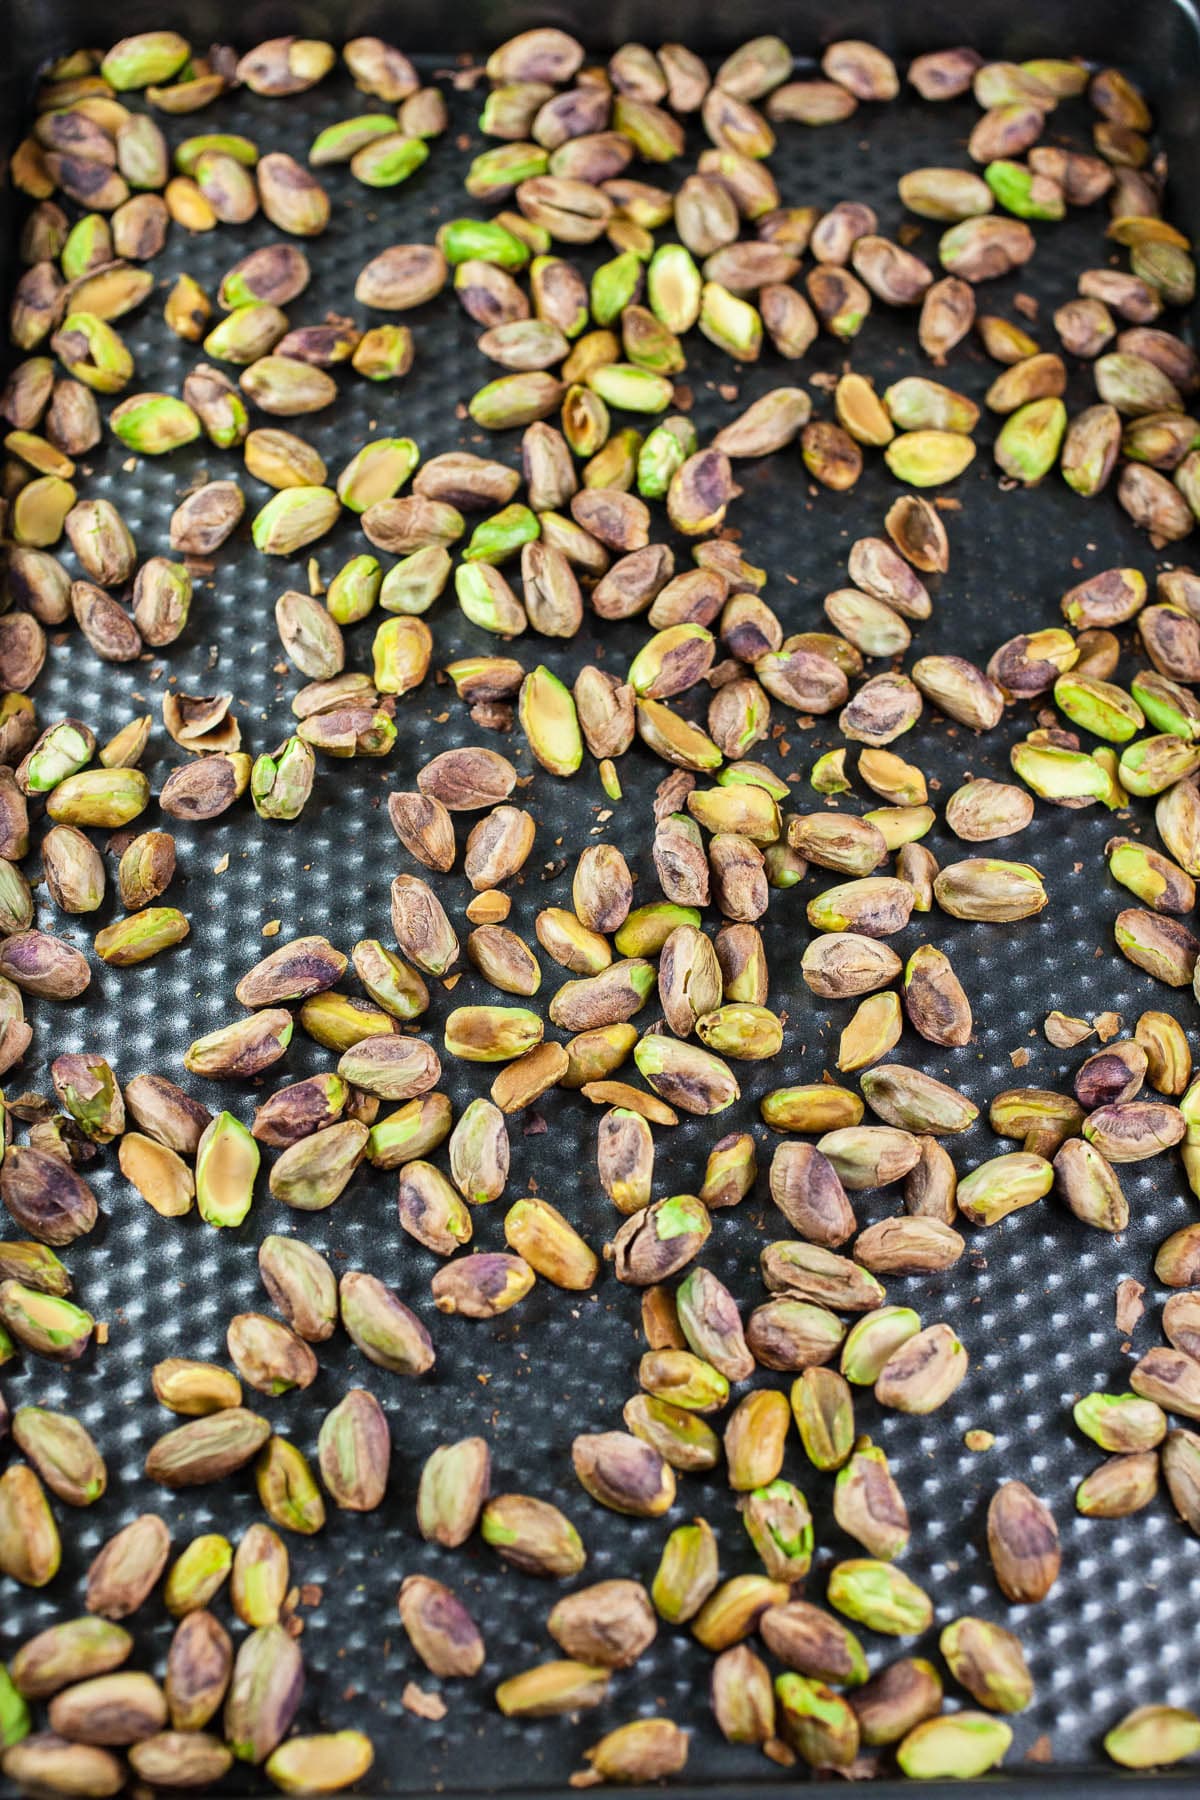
x=961, y=1745
x=439, y=1627
x=62, y=1452
x=893, y=1702
x=815, y=1722
x=382, y=1327
x=872, y=1339
x=194, y=1388
x=533, y=1535
x=75, y=1650
x=126, y=1569
x=453, y=1487
x=645, y=1750
x=923, y=1372
x=45, y=1196
x=199, y=1664
x=354, y=1452
x=51, y=1764
x=1178, y=1458
x=207, y=1448
x=30, y=1548
x=1168, y=1377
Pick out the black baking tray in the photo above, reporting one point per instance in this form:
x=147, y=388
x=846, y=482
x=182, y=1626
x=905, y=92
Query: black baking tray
x=1033, y=1300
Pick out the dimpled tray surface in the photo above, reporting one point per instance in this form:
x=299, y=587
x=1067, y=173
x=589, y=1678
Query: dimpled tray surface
x=1032, y=1299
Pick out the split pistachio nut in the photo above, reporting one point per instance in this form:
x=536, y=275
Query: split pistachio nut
x=954, y=1746
x=1153, y=1736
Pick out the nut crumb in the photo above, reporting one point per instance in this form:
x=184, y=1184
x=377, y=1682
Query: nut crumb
x=488, y=908
x=272, y=927
x=1107, y=1024
x=979, y=1440
x=1130, y=1305
x=1064, y=1031
x=220, y=866
x=1018, y=1058
x=425, y=1705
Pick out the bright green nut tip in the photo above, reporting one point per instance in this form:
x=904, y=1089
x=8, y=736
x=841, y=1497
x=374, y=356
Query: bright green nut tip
x=1030, y=439
x=1022, y=193
x=499, y=538
x=144, y=61
x=387, y=161
x=550, y=722
x=15, y=1720
x=881, y=1597
x=481, y=240
x=294, y=518
x=154, y=424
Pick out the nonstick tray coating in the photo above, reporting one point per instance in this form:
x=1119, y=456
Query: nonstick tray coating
x=1033, y=1298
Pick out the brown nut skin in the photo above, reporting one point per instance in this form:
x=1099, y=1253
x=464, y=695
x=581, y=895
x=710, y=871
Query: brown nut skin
x=300, y=1285
x=1180, y=1457
x=207, y=1449
x=1023, y=1543
x=264, y=1693
x=354, y=1451
x=454, y=1484
x=114, y=1709
x=610, y=1623
x=922, y=1374
x=299, y=1110
x=1171, y=1377
x=742, y=1697
x=931, y=1183
x=73, y=1650
x=165, y=1112
x=46, y=1197
x=125, y=1571
x=199, y=1666
x=180, y=1759
x=268, y=1355
x=45, y=1763
x=793, y=1335
x=1181, y=1323
x=642, y=1257
x=621, y=1472
x=439, y=1627
x=811, y=1641
x=806, y=1189
x=899, y=1697
x=1111, y=1075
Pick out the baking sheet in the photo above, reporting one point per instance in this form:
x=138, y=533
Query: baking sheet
x=1032, y=1300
